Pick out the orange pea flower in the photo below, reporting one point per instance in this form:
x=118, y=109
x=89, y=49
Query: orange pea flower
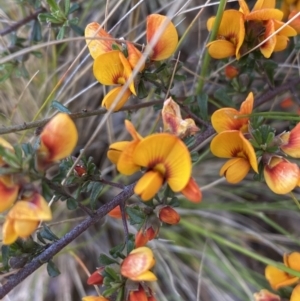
x=265, y=295
x=278, y=278
x=136, y=266
x=296, y=22
x=112, y=68
x=58, y=140
x=168, y=40
x=165, y=157
x=173, y=122
x=291, y=142
x=94, y=298
x=144, y=235
x=24, y=217
x=288, y=6
x=233, y=145
x=228, y=118
x=105, y=42
x=8, y=192
x=281, y=175
x=138, y=295
x=230, y=37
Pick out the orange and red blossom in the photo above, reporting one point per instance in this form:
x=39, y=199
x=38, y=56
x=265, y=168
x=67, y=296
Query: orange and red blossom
x=169, y=215
x=24, y=217
x=230, y=36
x=265, y=295
x=136, y=266
x=173, y=122
x=144, y=235
x=140, y=295
x=295, y=23
x=166, y=159
x=278, y=278
x=94, y=298
x=168, y=37
x=8, y=192
x=228, y=118
x=96, y=278
x=112, y=68
x=291, y=142
x=231, y=71
x=103, y=42
x=58, y=140
x=234, y=146
x=281, y=175
x=192, y=191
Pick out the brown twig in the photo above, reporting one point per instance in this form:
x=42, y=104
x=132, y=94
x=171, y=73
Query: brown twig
x=83, y=114
x=22, y=22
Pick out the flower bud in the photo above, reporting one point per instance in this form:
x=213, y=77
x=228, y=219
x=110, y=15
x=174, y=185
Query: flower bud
x=138, y=295
x=168, y=215
x=231, y=71
x=143, y=236
x=96, y=278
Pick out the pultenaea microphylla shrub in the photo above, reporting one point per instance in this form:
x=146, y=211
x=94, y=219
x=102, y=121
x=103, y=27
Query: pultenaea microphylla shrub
x=163, y=160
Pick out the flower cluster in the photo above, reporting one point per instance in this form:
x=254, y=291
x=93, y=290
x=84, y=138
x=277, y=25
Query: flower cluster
x=28, y=206
x=114, y=60
x=278, y=278
x=242, y=30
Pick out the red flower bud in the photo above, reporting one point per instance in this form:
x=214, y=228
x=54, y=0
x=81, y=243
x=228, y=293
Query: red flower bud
x=231, y=71
x=169, y=216
x=143, y=236
x=96, y=278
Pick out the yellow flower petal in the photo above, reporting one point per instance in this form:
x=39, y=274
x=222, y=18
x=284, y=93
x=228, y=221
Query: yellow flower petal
x=9, y=233
x=8, y=192
x=148, y=185
x=132, y=131
x=112, y=68
x=235, y=170
x=111, y=96
x=232, y=144
x=296, y=22
x=134, y=55
x=7, y=145
x=244, y=7
x=264, y=14
x=102, y=43
x=292, y=260
x=147, y=276
x=231, y=30
x=24, y=228
x=126, y=163
x=228, y=118
x=58, y=139
x=94, y=298
x=281, y=175
x=115, y=150
x=278, y=278
x=33, y=209
x=286, y=30
x=168, y=40
x=295, y=296
x=268, y=47
x=264, y=4
x=167, y=154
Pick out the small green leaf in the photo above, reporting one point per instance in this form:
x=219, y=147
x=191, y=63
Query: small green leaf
x=202, y=100
x=36, y=33
x=114, y=252
x=142, y=92
x=9, y=157
x=105, y=260
x=48, y=234
x=108, y=292
x=52, y=270
x=95, y=193
x=222, y=96
x=67, y=7
x=61, y=33
x=136, y=216
x=74, y=7
x=112, y=273
x=77, y=29
x=60, y=107
x=120, y=296
x=72, y=204
x=5, y=256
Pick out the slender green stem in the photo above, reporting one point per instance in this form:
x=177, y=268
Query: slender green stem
x=224, y=241
x=214, y=32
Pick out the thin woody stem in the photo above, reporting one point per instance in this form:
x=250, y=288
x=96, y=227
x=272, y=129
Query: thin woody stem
x=83, y=114
x=22, y=22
